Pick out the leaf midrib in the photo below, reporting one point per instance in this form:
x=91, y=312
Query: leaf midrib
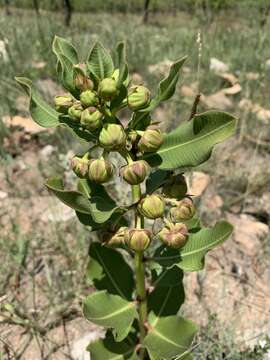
x=113, y=314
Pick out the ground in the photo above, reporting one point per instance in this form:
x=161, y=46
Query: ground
x=44, y=249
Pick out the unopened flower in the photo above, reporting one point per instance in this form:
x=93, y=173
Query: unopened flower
x=184, y=210
x=83, y=82
x=112, y=137
x=91, y=118
x=116, y=239
x=152, y=206
x=75, y=111
x=100, y=170
x=151, y=140
x=63, y=103
x=138, y=97
x=174, y=235
x=107, y=89
x=136, y=172
x=89, y=98
x=176, y=188
x=80, y=166
x=138, y=239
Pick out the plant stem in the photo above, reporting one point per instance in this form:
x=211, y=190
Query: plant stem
x=140, y=273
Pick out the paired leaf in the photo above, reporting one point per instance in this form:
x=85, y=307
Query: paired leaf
x=108, y=270
x=192, y=142
x=108, y=349
x=65, y=47
x=110, y=311
x=199, y=243
x=73, y=199
x=43, y=114
x=99, y=62
x=168, y=294
x=156, y=179
x=168, y=337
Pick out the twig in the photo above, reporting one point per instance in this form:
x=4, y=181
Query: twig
x=194, y=107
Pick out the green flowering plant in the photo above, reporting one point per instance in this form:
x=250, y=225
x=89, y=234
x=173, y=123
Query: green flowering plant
x=138, y=264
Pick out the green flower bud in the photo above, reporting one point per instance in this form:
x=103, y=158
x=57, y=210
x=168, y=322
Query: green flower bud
x=112, y=137
x=91, y=118
x=174, y=235
x=151, y=140
x=136, y=172
x=75, y=111
x=63, y=103
x=89, y=98
x=176, y=188
x=138, y=97
x=83, y=82
x=116, y=239
x=80, y=166
x=184, y=210
x=138, y=239
x=107, y=89
x=100, y=170
x=152, y=206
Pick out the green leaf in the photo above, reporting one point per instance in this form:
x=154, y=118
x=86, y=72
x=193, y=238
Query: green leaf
x=110, y=311
x=166, y=87
x=192, y=142
x=87, y=220
x=41, y=112
x=156, y=179
x=73, y=199
x=76, y=129
x=168, y=294
x=108, y=270
x=166, y=256
x=199, y=243
x=108, y=349
x=99, y=62
x=123, y=67
x=64, y=47
x=168, y=337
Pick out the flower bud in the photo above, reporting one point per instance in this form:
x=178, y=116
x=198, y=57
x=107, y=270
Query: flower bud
x=63, y=103
x=136, y=172
x=75, y=111
x=89, y=98
x=151, y=140
x=112, y=137
x=184, y=210
x=138, y=97
x=100, y=170
x=83, y=82
x=80, y=166
x=174, y=235
x=91, y=118
x=138, y=239
x=116, y=239
x=107, y=89
x=152, y=206
x=176, y=188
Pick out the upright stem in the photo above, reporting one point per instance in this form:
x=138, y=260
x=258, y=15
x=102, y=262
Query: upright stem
x=140, y=273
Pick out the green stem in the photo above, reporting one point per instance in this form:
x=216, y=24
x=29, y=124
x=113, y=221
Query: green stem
x=140, y=274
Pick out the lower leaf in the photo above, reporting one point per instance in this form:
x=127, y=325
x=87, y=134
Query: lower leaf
x=169, y=337
x=110, y=311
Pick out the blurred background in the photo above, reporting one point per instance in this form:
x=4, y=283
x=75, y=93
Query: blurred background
x=43, y=249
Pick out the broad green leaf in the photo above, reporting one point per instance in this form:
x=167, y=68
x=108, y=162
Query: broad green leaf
x=122, y=64
x=81, y=133
x=108, y=270
x=41, y=112
x=166, y=256
x=99, y=62
x=199, y=243
x=168, y=337
x=83, y=186
x=65, y=72
x=168, y=294
x=110, y=311
x=86, y=220
x=73, y=199
x=102, y=208
x=192, y=142
x=156, y=179
x=139, y=121
x=64, y=47
x=108, y=349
